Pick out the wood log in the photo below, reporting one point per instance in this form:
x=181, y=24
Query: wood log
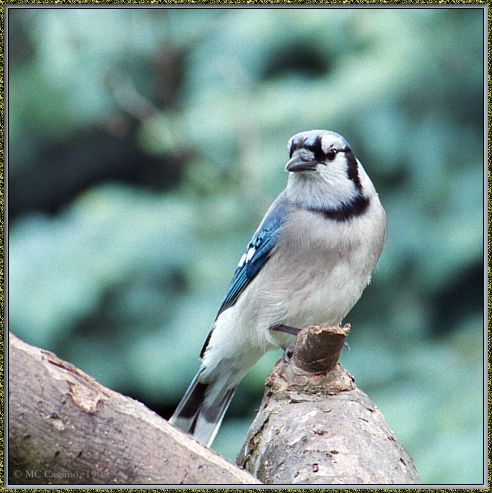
x=65, y=428
x=316, y=427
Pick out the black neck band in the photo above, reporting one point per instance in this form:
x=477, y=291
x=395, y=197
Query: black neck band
x=355, y=207
x=353, y=169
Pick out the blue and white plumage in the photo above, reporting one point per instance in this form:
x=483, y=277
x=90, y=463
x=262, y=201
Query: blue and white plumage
x=307, y=264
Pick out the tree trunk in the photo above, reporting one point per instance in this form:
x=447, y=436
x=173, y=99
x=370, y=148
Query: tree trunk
x=65, y=428
x=315, y=427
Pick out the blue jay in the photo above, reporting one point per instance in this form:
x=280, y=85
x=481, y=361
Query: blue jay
x=307, y=264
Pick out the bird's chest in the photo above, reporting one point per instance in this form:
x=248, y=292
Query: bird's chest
x=330, y=264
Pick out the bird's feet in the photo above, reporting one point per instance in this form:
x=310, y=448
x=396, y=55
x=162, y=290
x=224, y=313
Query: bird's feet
x=288, y=352
x=286, y=329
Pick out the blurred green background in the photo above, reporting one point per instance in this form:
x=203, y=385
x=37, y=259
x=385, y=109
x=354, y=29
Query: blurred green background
x=145, y=146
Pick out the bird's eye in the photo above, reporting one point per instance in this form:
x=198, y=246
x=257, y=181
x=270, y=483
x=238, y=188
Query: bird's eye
x=331, y=154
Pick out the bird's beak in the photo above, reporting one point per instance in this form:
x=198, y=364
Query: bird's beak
x=302, y=160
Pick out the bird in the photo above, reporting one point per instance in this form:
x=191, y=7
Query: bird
x=307, y=264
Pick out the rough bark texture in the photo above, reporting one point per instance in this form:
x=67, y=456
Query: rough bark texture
x=65, y=428
x=315, y=427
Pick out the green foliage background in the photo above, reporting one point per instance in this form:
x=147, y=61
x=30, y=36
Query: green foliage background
x=145, y=146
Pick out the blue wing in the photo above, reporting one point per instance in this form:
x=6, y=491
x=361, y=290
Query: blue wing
x=255, y=257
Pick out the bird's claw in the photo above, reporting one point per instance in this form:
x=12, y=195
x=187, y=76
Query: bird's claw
x=288, y=352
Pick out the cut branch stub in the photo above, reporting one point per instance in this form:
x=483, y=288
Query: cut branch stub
x=318, y=349
x=315, y=426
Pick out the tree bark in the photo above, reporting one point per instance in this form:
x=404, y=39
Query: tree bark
x=316, y=427
x=65, y=428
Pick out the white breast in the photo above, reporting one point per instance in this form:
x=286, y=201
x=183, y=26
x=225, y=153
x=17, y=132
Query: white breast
x=316, y=275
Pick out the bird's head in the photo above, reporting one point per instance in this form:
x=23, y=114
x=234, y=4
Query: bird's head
x=322, y=163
